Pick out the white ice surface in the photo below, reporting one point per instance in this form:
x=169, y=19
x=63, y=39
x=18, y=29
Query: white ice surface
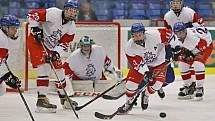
x=13, y=109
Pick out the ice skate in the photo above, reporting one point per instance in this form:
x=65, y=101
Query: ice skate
x=144, y=101
x=187, y=92
x=44, y=106
x=199, y=94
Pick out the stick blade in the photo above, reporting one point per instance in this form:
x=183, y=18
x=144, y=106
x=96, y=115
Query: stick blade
x=102, y=116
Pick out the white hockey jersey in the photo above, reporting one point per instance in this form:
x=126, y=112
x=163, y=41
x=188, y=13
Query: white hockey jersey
x=186, y=15
x=153, y=53
x=51, y=21
x=4, y=50
x=89, y=68
x=197, y=38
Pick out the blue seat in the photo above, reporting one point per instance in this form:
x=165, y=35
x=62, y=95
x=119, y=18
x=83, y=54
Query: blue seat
x=138, y=6
x=23, y=12
x=204, y=6
x=153, y=13
x=14, y=3
x=14, y=11
x=103, y=18
x=118, y=12
x=137, y=14
x=32, y=4
x=4, y=10
x=154, y=6
x=205, y=12
x=120, y=5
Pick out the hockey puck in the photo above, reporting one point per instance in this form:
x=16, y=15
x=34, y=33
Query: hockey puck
x=162, y=115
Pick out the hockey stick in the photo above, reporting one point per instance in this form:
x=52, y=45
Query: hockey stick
x=23, y=99
x=139, y=91
x=109, y=97
x=100, y=95
x=52, y=66
x=103, y=116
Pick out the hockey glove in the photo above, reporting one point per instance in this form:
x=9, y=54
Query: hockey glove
x=189, y=25
x=11, y=80
x=188, y=56
x=38, y=34
x=54, y=55
x=177, y=52
x=148, y=76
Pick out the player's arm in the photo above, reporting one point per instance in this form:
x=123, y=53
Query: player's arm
x=9, y=78
x=34, y=18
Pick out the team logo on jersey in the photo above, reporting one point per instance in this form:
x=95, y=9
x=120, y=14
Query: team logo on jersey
x=149, y=57
x=53, y=39
x=90, y=70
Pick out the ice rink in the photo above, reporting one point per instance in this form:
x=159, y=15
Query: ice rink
x=13, y=109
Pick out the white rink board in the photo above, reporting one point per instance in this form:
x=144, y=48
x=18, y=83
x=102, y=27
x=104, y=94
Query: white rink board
x=12, y=108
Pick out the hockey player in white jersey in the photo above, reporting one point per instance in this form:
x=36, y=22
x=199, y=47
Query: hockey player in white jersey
x=55, y=29
x=198, y=41
x=145, y=52
x=8, y=28
x=179, y=13
x=88, y=62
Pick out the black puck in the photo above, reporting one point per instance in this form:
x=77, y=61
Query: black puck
x=162, y=115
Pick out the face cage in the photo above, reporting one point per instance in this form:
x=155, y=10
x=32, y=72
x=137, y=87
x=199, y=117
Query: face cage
x=70, y=18
x=176, y=6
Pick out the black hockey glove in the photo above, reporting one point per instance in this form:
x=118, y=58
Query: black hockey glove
x=189, y=25
x=188, y=56
x=177, y=52
x=148, y=76
x=54, y=55
x=11, y=80
x=38, y=34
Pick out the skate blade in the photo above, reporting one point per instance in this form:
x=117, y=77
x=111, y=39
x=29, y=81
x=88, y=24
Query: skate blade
x=197, y=98
x=45, y=110
x=187, y=97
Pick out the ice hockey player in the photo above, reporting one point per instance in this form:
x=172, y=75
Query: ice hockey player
x=8, y=28
x=55, y=29
x=88, y=62
x=179, y=13
x=198, y=41
x=145, y=52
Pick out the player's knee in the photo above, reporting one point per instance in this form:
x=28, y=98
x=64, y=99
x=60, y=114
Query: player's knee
x=131, y=88
x=198, y=66
x=155, y=87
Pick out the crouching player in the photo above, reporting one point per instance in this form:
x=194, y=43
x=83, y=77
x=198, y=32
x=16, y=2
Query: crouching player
x=8, y=28
x=198, y=42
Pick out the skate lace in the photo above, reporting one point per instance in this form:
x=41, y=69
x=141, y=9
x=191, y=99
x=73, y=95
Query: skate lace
x=44, y=99
x=199, y=90
x=145, y=99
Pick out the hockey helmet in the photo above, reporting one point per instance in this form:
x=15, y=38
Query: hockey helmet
x=176, y=5
x=137, y=27
x=71, y=4
x=86, y=41
x=9, y=20
x=179, y=26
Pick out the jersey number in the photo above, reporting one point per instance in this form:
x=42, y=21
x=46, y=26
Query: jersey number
x=202, y=31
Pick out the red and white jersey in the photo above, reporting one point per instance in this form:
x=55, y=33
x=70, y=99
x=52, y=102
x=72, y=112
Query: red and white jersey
x=153, y=53
x=186, y=15
x=89, y=68
x=197, y=39
x=4, y=50
x=51, y=21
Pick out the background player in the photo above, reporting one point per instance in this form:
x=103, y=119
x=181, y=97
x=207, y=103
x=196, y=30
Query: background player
x=198, y=41
x=179, y=13
x=56, y=29
x=8, y=28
